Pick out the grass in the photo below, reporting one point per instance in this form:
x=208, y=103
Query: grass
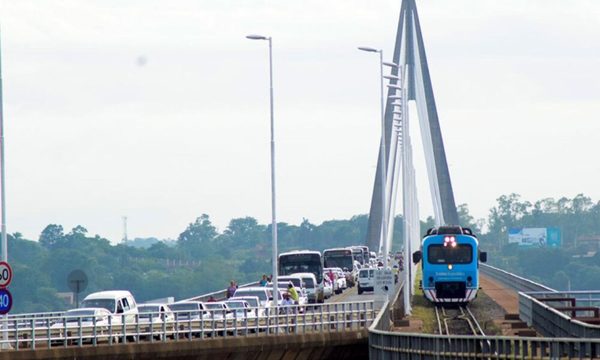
x=421, y=308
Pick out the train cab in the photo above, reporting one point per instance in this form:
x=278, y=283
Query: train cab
x=450, y=259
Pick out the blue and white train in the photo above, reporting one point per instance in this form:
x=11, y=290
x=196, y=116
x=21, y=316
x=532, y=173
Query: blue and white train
x=450, y=263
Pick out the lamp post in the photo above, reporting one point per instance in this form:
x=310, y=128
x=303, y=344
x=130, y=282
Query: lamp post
x=273, y=208
x=3, y=235
x=382, y=159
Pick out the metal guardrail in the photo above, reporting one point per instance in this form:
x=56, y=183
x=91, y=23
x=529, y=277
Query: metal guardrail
x=552, y=322
x=385, y=344
x=33, y=333
x=512, y=281
x=217, y=295
x=393, y=345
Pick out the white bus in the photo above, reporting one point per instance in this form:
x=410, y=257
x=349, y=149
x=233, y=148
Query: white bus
x=340, y=257
x=302, y=261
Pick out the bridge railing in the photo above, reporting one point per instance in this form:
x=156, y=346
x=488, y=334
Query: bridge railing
x=386, y=344
x=511, y=280
x=32, y=333
x=217, y=295
x=549, y=321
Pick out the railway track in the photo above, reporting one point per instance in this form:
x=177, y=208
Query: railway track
x=457, y=321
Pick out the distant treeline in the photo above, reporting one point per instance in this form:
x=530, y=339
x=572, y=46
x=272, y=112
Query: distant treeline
x=203, y=259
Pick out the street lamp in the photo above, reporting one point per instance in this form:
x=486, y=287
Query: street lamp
x=382, y=157
x=273, y=208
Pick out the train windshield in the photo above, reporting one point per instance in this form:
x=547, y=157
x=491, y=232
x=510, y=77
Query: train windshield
x=459, y=254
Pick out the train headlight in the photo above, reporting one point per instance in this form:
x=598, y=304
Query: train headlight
x=450, y=266
x=450, y=241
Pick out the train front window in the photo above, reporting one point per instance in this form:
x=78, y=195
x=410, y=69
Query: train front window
x=459, y=254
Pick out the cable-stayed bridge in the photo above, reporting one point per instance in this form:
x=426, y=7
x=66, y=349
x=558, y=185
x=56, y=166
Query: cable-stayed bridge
x=349, y=325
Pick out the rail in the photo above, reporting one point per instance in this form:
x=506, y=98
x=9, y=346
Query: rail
x=512, y=281
x=388, y=345
x=217, y=295
x=33, y=333
x=553, y=322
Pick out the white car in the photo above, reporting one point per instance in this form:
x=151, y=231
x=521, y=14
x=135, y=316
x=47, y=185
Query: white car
x=253, y=302
x=241, y=309
x=264, y=294
x=337, y=282
x=366, y=280
x=155, y=314
x=86, y=318
x=302, y=298
x=218, y=310
x=341, y=278
x=297, y=282
x=327, y=287
x=188, y=310
x=310, y=286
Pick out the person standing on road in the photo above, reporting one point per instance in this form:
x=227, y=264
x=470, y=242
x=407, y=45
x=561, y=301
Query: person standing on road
x=293, y=293
x=231, y=289
x=264, y=281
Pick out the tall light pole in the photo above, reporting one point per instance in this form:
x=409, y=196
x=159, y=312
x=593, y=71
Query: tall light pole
x=382, y=158
x=2, y=177
x=3, y=200
x=273, y=208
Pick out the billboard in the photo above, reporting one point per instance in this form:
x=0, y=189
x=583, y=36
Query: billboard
x=534, y=237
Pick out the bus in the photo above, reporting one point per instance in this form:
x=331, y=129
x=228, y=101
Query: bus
x=358, y=254
x=303, y=261
x=340, y=258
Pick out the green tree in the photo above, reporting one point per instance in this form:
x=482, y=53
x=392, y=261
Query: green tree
x=51, y=235
x=200, y=231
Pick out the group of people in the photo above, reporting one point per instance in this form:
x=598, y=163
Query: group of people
x=265, y=280
x=290, y=297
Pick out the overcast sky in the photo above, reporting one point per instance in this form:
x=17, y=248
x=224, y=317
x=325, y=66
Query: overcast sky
x=158, y=110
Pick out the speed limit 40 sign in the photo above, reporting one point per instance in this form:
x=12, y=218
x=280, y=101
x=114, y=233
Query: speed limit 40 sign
x=5, y=274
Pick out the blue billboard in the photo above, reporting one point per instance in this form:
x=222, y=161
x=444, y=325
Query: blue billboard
x=535, y=237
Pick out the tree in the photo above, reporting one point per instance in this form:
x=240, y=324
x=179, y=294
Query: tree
x=466, y=220
x=508, y=211
x=51, y=235
x=200, y=231
x=78, y=231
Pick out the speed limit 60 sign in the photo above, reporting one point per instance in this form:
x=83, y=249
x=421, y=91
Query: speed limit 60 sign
x=5, y=274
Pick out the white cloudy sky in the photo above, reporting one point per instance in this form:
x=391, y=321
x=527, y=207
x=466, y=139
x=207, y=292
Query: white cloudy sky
x=91, y=135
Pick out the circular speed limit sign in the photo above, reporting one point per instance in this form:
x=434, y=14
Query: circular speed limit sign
x=5, y=274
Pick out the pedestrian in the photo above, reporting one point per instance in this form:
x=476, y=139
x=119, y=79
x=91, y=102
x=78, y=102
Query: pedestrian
x=286, y=304
x=264, y=281
x=212, y=299
x=293, y=293
x=231, y=289
x=331, y=276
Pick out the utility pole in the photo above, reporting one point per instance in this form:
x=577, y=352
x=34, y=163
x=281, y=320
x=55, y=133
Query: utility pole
x=124, y=240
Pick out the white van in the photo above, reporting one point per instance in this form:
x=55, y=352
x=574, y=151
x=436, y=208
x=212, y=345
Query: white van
x=310, y=285
x=366, y=280
x=117, y=302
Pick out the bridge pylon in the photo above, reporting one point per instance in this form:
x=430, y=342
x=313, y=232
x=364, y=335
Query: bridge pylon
x=410, y=81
